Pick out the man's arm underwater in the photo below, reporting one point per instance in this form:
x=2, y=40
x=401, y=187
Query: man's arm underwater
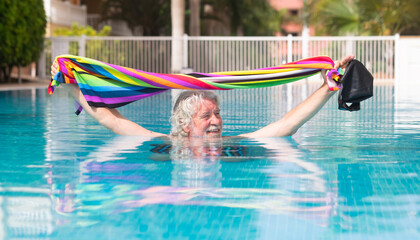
x=302, y=113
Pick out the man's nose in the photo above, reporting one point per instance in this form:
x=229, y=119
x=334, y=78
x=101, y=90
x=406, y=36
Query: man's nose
x=215, y=119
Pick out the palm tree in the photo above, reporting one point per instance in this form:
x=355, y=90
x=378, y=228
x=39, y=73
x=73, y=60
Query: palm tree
x=339, y=17
x=364, y=17
x=194, y=17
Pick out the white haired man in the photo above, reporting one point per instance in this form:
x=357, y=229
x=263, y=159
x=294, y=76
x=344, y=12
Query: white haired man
x=197, y=114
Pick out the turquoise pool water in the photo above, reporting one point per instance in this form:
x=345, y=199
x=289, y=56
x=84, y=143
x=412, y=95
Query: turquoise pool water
x=342, y=176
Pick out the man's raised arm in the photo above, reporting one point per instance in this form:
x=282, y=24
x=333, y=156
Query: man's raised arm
x=109, y=118
x=299, y=115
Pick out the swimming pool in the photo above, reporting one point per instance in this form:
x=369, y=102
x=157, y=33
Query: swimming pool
x=342, y=176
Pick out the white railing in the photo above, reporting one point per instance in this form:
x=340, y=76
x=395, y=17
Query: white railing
x=209, y=54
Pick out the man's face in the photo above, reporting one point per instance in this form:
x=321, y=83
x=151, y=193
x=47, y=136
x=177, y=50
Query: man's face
x=206, y=121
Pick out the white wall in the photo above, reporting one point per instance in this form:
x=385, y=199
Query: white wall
x=65, y=13
x=407, y=83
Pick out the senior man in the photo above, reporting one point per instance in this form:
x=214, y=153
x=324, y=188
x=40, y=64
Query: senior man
x=197, y=113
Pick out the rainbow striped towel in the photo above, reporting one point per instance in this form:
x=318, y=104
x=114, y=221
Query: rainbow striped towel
x=112, y=86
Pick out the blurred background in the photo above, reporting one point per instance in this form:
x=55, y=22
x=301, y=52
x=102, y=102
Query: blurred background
x=34, y=32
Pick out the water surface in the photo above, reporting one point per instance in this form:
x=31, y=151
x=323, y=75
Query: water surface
x=343, y=175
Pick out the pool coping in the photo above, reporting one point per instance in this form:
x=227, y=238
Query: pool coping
x=44, y=84
x=23, y=86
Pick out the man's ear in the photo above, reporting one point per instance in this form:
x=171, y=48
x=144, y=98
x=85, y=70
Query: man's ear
x=187, y=129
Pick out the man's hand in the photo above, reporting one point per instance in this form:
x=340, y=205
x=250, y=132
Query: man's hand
x=343, y=62
x=109, y=118
x=338, y=64
x=54, y=68
x=299, y=115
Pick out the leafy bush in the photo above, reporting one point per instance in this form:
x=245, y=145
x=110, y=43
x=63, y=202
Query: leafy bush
x=77, y=30
x=22, y=29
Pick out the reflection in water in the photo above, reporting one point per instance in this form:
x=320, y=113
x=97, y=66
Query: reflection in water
x=129, y=175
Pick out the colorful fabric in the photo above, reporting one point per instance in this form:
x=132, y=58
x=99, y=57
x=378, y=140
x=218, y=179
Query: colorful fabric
x=112, y=86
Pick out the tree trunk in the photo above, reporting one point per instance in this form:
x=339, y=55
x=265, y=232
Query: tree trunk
x=240, y=31
x=8, y=73
x=177, y=17
x=195, y=18
x=3, y=74
x=19, y=77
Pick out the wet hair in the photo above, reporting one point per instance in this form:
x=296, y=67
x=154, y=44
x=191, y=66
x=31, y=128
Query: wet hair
x=185, y=107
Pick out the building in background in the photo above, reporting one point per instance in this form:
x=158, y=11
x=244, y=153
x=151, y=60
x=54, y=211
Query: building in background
x=94, y=19
x=293, y=23
x=63, y=13
x=293, y=19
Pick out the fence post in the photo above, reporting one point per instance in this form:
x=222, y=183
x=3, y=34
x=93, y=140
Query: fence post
x=349, y=47
x=82, y=46
x=305, y=42
x=42, y=63
x=289, y=48
x=305, y=54
x=177, y=54
x=289, y=59
x=397, y=58
x=185, y=64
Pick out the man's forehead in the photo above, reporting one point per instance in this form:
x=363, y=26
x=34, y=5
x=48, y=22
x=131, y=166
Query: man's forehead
x=207, y=105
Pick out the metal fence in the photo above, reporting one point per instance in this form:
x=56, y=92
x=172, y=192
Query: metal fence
x=210, y=54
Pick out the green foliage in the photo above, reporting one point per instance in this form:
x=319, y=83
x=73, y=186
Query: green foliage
x=77, y=30
x=365, y=17
x=22, y=29
x=247, y=17
x=254, y=17
x=153, y=16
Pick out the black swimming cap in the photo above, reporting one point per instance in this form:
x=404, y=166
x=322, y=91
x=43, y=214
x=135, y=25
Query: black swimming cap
x=357, y=85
